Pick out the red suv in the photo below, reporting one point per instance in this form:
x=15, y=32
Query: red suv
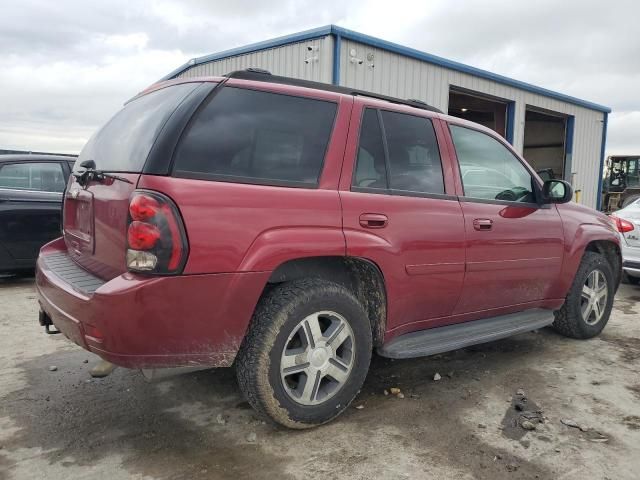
x=288, y=228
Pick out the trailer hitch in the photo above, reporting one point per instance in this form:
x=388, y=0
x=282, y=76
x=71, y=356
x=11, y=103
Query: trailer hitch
x=46, y=322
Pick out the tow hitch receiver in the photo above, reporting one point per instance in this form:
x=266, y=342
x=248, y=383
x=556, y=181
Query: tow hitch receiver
x=46, y=322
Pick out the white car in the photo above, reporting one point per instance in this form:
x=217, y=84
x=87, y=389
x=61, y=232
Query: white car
x=627, y=220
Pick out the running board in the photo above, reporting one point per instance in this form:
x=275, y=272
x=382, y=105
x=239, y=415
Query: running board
x=460, y=335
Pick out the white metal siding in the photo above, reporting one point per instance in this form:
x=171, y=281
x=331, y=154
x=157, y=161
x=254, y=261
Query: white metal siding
x=403, y=77
x=287, y=60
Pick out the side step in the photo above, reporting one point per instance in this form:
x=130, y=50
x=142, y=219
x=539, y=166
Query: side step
x=452, y=337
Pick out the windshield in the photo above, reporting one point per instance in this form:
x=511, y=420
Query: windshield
x=124, y=142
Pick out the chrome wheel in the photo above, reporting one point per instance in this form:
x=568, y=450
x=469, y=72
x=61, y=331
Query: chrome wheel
x=594, y=296
x=317, y=358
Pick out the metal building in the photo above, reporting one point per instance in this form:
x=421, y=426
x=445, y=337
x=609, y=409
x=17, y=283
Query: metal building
x=552, y=130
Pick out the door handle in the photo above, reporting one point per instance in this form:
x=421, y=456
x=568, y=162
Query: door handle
x=373, y=220
x=482, y=224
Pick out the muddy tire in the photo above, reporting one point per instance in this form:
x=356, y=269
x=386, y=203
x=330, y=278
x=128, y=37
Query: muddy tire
x=587, y=307
x=306, y=354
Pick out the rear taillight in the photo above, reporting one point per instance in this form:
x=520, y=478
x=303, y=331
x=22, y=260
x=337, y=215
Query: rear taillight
x=621, y=224
x=156, y=239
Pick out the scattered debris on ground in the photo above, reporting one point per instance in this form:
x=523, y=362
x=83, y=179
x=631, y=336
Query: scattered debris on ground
x=522, y=416
x=221, y=419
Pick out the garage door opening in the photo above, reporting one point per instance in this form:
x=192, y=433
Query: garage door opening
x=548, y=138
x=488, y=111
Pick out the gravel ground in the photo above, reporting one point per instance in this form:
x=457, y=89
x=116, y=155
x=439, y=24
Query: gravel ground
x=59, y=423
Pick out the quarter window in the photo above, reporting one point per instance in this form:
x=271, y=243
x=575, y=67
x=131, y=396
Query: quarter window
x=44, y=177
x=411, y=162
x=257, y=137
x=489, y=170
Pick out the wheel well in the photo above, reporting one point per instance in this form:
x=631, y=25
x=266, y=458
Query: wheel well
x=359, y=275
x=611, y=252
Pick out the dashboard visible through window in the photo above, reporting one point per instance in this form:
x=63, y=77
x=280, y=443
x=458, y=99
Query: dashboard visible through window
x=488, y=169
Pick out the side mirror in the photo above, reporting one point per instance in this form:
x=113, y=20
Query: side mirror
x=556, y=191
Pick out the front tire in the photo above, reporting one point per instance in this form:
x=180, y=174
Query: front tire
x=306, y=354
x=587, y=307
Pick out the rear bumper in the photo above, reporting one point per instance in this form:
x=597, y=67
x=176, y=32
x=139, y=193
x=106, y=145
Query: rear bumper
x=630, y=260
x=152, y=322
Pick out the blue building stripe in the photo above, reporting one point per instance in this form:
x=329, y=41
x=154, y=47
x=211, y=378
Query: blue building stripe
x=568, y=147
x=602, y=149
x=511, y=119
x=337, y=47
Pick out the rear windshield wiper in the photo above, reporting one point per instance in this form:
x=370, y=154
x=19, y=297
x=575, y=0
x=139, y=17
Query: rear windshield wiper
x=90, y=173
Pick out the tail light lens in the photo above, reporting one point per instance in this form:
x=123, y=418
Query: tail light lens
x=156, y=239
x=621, y=224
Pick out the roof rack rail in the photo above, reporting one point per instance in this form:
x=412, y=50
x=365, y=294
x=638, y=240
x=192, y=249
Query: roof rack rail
x=261, y=75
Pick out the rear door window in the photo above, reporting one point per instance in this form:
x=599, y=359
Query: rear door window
x=414, y=158
x=411, y=160
x=43, y=177
x=252, y=136
x=124, y=142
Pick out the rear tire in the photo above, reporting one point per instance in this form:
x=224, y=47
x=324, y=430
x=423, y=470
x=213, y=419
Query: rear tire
x=626, y=278
x=587, y=307
x=306, y=354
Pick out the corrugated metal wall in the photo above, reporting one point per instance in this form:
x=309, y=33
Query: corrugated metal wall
x=288, y=60
x=399, y=76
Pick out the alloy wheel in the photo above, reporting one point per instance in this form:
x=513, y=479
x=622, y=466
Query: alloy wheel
x=317, y=358
x=594, y=296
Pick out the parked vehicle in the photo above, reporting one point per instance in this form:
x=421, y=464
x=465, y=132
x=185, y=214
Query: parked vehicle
x=288, y=228
x=621, y=183
x=31, y=189
x=627, y=220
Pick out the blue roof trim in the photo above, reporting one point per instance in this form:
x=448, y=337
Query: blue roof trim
x=460, y=67
x=254, y=47
x=391, y=47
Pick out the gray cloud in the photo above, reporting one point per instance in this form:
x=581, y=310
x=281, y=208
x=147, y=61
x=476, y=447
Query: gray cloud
x=68, y=65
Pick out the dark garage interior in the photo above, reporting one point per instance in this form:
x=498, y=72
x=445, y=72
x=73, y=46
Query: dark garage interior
x=487, y=111
x=545, y=135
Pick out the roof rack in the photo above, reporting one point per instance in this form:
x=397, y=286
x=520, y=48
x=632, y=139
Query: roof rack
x=261, y=75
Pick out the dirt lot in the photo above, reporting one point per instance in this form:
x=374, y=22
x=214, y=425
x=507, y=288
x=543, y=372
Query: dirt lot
x=62, y=424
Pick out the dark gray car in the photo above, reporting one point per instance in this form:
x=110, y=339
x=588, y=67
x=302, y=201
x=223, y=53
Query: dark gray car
x=31, y=190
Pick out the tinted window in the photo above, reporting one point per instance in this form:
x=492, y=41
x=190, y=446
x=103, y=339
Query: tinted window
x=489, y=170
x=414, y=158
x=370, y=166
x=44, y=177
x=124, y=143
x=247, y=135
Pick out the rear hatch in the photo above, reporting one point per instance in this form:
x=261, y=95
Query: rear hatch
x=96, y=214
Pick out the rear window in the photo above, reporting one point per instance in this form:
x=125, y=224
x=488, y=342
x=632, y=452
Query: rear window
x=123, y=144
x=44, y=177
x=257, y=137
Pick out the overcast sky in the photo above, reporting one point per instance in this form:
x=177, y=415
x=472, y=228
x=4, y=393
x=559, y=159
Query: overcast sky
x=68, y=65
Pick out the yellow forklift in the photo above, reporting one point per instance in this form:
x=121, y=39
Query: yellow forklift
x=621, y=183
